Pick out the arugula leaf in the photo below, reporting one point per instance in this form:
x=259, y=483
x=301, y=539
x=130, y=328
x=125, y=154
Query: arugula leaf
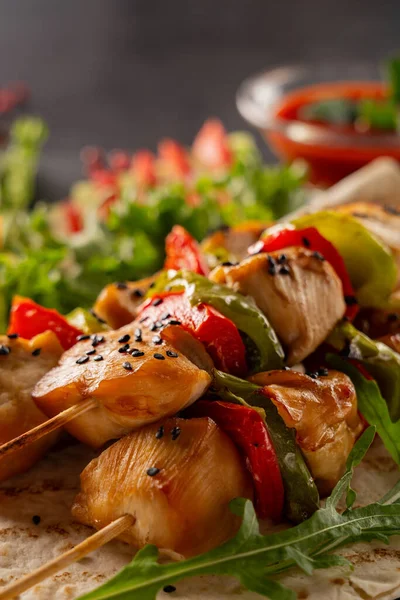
x=253, y=558
x=372, y=406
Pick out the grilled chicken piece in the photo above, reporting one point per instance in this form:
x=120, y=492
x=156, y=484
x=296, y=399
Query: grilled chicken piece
x=232, y=243
x=323, y=411
x=382, y=221
x=22, y=364
x=301, y=296
x=182, y=504
x=118, y=302
x=145, y=382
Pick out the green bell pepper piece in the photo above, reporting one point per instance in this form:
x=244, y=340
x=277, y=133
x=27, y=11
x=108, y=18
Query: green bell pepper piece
x=301, y=494
x=379, y=360
x=84, y=320
x=242, y=310
x=369, y=261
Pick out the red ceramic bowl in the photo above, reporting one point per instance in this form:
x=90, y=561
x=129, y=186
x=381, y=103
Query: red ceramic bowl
x=270, y=101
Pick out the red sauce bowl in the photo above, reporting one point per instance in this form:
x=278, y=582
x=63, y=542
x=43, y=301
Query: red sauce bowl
x=271, y=101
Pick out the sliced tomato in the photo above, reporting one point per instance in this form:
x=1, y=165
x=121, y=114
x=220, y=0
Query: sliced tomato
x=219, y=335
x=29, y=319
x=183, y=252
x=247, y=430
x=211, y=145
x=175, y=158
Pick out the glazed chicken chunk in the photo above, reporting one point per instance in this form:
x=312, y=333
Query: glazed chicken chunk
x=135, y=377
x=175, y=479
x=323, y=411
x=297, y=290
x=117, y=303
x=22, y=364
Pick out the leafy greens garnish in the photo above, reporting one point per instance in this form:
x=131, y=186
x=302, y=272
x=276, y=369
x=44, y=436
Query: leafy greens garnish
x=253, y=558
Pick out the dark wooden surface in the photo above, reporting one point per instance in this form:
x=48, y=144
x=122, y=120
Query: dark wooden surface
x=123, y=73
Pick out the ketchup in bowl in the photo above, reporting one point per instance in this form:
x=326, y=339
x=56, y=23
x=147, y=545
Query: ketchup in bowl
x=336, y=127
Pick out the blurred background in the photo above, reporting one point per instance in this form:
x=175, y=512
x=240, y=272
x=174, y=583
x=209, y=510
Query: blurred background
x=124, y=73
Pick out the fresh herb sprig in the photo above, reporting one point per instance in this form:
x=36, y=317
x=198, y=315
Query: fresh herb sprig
x=254, y=559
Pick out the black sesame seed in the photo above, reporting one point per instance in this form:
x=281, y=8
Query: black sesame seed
x=152, y=471
x=255, y=444
x=284, y=270
x=306, y=242
x=157, y=340
x=82, y=360
x=36, y=351
x=4, y=350
x=158, y=324
x=392, y=317
x=138, y=335
x=171, y=354
x=98, y=358
x=83, y=337
x=322, y=372
x=121, y=285
x=137, y=293
x=91, y=352
x=127, y=366
x=165, y=316
x=168, y=589
x=96, y=316
x=36, y=519
x=143, y=319
x=159, y=356
x=124, y=348
x=153, y=327
x=125, y=338
x=312, y=375
x=157, y=302
x=96, y=340
x=152, y=285
x=350, y=300
x=137, y=353
x=318, y=256
x=174, y=322
x=282, y=258
x=271, y=265
x=175, y=433
x=13, y=336
x=160, y=432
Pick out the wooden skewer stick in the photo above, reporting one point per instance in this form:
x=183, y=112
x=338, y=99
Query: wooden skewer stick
x=95, y=541
x=44, y=428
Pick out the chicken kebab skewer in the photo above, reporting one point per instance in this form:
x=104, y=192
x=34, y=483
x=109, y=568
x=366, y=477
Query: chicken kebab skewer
x=234, y=331
x=170, y=483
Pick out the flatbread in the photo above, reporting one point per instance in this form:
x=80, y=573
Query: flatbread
x=48, y=490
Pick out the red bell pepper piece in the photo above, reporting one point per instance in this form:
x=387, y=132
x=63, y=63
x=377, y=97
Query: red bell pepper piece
x=211, y=146
x=175, y=158
x=73, y=218
x=219, y=335
x=247, y=430
x=29, y=319
x=312, y=239
x=183, y=252
x=144, y=168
